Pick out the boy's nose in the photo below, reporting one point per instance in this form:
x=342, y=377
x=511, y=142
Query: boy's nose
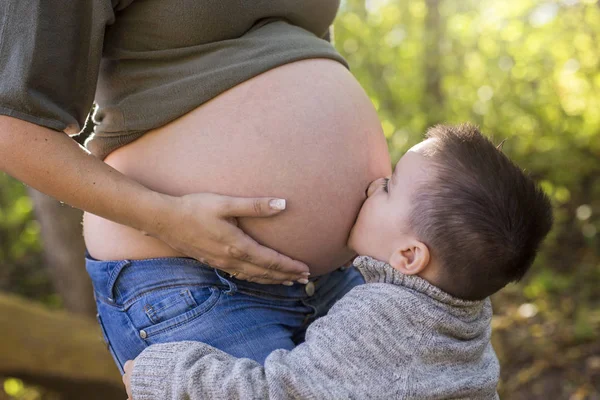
x=377, y=183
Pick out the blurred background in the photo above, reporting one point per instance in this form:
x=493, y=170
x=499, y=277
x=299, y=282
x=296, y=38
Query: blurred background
x=526, y=71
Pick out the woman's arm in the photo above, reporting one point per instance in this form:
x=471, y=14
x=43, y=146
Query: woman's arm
x=49, y=64
x=199, y=225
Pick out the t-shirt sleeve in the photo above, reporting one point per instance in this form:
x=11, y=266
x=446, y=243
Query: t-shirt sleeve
x=50, y=54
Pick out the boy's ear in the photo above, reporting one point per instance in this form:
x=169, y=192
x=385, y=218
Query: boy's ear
x=410, y=259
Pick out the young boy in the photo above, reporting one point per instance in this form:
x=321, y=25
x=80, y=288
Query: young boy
x=455, y=223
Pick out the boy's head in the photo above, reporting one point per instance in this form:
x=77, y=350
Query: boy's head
x=457, y=212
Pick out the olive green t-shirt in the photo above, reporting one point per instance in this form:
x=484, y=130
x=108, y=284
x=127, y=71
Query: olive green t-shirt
x=144, y=62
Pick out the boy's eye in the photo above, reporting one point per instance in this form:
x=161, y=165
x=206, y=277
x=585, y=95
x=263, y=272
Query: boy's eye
x=385, y=184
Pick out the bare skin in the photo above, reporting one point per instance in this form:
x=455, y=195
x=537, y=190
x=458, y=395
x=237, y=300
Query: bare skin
x=198, y=225
x=305, y=132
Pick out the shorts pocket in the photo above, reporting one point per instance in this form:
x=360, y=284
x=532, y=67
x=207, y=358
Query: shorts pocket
x=171, y=306
x=164, y=310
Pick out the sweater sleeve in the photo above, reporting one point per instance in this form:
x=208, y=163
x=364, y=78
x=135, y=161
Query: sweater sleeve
x=342, y=357
x=50, y=54
x=380, y=341
x=193, y=370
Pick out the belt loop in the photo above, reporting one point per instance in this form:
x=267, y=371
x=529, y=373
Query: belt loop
x=112, y=279
x=232, y=286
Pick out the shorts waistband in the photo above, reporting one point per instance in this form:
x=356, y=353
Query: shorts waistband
x=119, y=282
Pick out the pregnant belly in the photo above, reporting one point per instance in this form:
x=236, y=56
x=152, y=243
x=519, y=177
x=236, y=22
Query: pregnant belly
x=305, y=131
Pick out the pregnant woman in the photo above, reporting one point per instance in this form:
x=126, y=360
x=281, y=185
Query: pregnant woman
x=204, y=108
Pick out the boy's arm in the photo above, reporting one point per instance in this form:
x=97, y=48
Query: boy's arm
x=330, y=364
x=194, y=371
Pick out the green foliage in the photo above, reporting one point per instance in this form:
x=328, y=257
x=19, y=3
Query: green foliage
x=527, y=71
x=15, y=389
x=22, y=270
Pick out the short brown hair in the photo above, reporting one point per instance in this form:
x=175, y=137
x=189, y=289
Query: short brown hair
x=480, y=214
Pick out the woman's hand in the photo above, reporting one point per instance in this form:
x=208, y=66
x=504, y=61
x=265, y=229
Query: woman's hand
x=204, y=226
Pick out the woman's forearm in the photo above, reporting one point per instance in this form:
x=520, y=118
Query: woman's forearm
x=55, y=164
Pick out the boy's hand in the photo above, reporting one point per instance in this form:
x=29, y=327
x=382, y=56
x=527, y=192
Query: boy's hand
x=128, y=367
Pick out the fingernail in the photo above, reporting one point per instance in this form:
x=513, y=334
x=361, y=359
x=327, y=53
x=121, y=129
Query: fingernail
x=277, y=204
x=288, y=283
x=306, y=273
x=303, y=281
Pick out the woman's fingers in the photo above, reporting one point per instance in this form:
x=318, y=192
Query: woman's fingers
x=249, y=251
x=252, y=273
x=206, y=230
x=243, y=248
x=244, y=258
x=262, y=281
x=251, y=207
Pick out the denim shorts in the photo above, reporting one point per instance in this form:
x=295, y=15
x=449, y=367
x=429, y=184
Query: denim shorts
x=170, y=299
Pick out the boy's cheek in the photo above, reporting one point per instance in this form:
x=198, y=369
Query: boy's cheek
x=357, y=243
x=352, y=239
x=355, y=238
x=362, y=231
x=366, y=243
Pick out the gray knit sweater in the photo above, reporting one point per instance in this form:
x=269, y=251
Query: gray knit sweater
x=396, y=337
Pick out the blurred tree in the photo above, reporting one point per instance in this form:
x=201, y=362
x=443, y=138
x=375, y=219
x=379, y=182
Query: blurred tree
x=63, y=252
x=22, y=269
